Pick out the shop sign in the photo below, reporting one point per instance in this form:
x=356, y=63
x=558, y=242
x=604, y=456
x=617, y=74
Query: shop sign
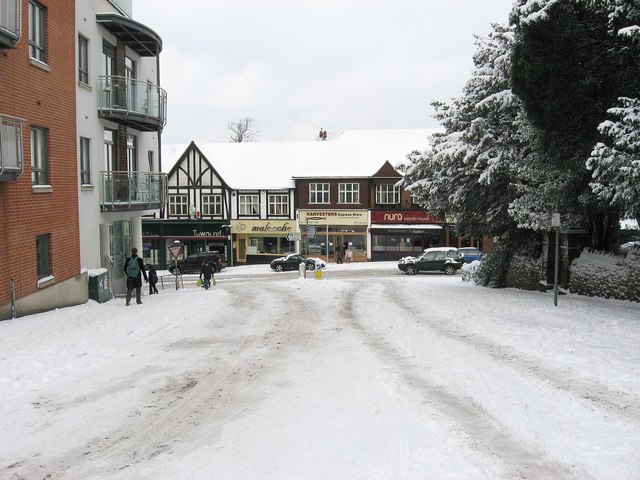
x=404, y=216
x=334, y=217
x=263, y=226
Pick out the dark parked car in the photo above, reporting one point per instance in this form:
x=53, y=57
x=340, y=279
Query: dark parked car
x=444, y=259
x=193, y=263
x=293, y=261
x=471, y=254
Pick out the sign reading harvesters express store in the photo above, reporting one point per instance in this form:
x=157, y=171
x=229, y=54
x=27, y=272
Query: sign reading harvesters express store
x=406, y=217
x=333, y=217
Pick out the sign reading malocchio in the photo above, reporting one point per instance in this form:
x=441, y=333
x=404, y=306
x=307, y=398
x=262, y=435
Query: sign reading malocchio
x=263, y=226
x=334, y=217
x=404, y=216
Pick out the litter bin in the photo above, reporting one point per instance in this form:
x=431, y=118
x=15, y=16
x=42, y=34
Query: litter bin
x=99, y=286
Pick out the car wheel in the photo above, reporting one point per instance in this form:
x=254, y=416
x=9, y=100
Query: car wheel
x=410, y=270
x=279, y=268
x=449, y=270
x=177, y=271
x=311, y=266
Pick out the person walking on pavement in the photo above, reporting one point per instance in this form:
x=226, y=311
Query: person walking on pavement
x=206, y=274
x=153, y=279
x=339, y=253
x=134, y=270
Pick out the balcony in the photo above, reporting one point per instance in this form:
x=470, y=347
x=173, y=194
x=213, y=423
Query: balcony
x=10, y=21
x=132, y=103
x=125, y=191
x=11, y=163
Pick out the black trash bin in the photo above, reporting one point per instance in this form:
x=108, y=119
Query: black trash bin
x=99, y=287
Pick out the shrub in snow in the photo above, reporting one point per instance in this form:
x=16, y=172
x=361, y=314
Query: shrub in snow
x=525, y=273
x=470, y=271
x=600, y=274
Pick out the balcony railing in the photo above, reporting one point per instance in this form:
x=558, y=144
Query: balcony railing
x=134, y=103
x=10, y=21
x=133, y=190
x=11, y=164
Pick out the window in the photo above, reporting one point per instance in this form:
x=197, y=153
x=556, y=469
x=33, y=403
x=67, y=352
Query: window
x=348, y=193
x=387, y=194
x=43, y=255
x=178, y=205
x=130, y=79
x=39, y=156
x=110, y=150
x=83, y=59
x=212, y=205
x=85, y=161
x=279, y=204
x=249, y=204
x=36, y=31
x=132, y=153
x=318, y=193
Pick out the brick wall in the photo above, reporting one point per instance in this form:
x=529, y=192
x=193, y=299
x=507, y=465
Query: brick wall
x=45, y=96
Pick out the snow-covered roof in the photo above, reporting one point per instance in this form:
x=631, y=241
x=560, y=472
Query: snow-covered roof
x=271, y=165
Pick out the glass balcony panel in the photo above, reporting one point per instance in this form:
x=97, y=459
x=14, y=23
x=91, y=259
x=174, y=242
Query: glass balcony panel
x=133, y=190
x=11, y=164
x=132, y=101
x=9, y=22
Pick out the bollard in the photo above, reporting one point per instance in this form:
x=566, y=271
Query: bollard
x=319, y=274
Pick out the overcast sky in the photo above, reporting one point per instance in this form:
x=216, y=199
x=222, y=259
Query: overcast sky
x=297, y=65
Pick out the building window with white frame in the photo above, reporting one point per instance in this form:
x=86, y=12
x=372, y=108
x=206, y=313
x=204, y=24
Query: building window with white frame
x=179, y=205
x=83, y=59
x=212, y=205
x=279, y=204
x=39, y=167
x=37, y=23
x=249, y=204
x=85, y=161
x=387, y=194
x=132, y=153
x=348, y=193
x=319, y=193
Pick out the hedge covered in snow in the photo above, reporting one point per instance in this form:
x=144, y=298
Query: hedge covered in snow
x=600, y=274
x=525, y=273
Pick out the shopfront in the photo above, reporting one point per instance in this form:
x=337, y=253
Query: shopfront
x=260, y=241
x=397, y=234
x=196, y=235
x=324, y=230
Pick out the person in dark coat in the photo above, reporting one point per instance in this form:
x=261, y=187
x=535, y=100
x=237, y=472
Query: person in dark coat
x=206, y=274
x=153, y=279
x=339, y=253
x=134, y=281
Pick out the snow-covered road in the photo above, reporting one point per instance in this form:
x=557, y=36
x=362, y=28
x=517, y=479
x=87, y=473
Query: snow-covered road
x=366, y=374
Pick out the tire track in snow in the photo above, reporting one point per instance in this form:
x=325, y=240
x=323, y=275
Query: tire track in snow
x=620, y=403
x=223, y=390
x=486, y=433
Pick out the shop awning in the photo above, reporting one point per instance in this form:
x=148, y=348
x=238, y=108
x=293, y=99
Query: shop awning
x=406, y=226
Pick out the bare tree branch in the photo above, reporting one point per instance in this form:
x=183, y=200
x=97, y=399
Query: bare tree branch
x=244, y=130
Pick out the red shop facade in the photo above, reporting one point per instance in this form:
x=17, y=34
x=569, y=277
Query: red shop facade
x=403, y=233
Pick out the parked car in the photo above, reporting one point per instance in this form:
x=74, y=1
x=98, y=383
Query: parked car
x=446, y=259
x=293, y=261
x=193, y=263
x=471, y=254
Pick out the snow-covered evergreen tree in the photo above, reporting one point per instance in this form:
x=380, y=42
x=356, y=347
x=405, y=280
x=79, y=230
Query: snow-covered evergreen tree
x=466, y=173
x=616, y=162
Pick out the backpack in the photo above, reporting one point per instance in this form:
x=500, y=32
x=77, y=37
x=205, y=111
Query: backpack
x=133, y=269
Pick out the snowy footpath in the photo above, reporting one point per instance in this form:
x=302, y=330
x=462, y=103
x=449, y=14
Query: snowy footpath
x=365, y=374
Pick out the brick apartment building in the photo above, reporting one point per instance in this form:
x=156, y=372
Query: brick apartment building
x=80, y=119
x=39, y=227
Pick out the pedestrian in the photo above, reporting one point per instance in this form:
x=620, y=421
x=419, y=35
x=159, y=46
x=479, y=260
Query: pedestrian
x=153, y=279
x=339, y=254
x=349, y=255
x=206, y=274
x=134, y=270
